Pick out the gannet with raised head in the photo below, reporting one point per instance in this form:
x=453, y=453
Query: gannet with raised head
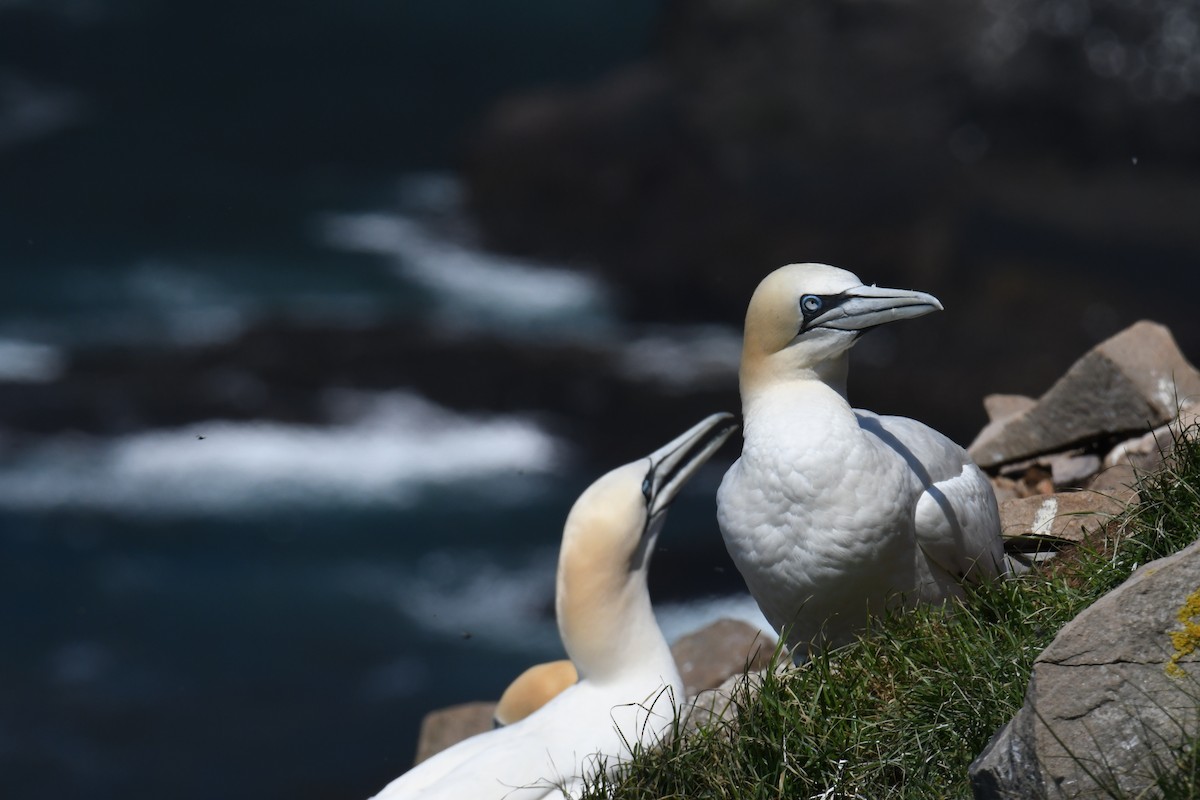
x=628, y=682
x=834, y=514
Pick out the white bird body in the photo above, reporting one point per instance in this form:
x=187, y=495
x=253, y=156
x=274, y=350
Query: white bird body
x=833, y=514
x=545, y=755
x=629, y=686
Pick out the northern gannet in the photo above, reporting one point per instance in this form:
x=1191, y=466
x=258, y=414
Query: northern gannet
x=532, y=689
x=628, y=685
x=833, y=514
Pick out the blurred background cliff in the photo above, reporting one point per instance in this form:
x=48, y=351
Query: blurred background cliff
x=316, y=317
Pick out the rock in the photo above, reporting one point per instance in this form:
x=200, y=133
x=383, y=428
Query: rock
x=1145, y=453
x=1003, y=406
x=723, y=649
x=1005, y=488
x=1072, y=469
x=1029, y=478
x=447, y=726
x=1064, y=515
x=718, y=703
x=1113, y=695
x=1008, y=768
x=1036, y=528
x=1119, y=480
x=1127, y=383
x=1049, y=473
x=1142, y=453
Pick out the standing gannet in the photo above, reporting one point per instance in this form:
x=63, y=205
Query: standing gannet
x=833, y=514
x=628, y=685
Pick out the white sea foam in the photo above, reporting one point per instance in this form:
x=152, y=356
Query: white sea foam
x=193, y=307
x=466, y=593
x=469, y=286
x=684, y=357
x=680, y=619
x=383, y=450
x=28, y=362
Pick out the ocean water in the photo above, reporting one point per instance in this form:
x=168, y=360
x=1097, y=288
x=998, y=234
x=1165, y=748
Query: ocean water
x=249, y=608
x=288, y=655
x=265, y=608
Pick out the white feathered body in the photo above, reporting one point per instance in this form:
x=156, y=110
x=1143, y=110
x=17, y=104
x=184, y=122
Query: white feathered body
x=833, y=514
x=551, y=750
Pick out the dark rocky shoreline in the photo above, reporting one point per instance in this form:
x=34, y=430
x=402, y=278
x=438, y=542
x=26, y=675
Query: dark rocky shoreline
x=1047, y=199
x=991, y=157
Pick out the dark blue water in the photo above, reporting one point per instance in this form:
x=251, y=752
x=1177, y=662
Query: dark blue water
x=199, y=658
x=196, y=658
x=169, y=187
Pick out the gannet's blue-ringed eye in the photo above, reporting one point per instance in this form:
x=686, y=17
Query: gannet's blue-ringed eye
x=811, y=303
x=646, y=486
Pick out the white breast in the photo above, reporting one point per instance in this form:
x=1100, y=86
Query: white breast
x=827, y=516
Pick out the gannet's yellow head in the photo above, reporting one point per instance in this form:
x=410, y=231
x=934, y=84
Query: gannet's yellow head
x=532, y=689
x=602, y=604
x=803, y=318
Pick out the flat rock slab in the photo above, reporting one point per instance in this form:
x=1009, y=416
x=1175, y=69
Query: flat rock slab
x=1002, y=406
x=1064, y=515
x=1134, y=381
x=448, y=726
x=716, y=652
x=1111, y=698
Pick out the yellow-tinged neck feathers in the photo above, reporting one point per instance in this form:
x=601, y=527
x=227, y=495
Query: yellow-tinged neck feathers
x=603, y=606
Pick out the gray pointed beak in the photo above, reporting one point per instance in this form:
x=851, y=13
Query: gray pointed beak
x=868, y=306
x=673, y=464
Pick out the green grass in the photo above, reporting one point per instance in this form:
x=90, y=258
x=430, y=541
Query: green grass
x=902, y=713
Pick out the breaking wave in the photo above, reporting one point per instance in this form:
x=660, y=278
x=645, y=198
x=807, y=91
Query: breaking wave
x=467, y=285
x=383, y=450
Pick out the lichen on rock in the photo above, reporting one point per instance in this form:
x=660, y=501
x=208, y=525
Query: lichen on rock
x=1186, y=640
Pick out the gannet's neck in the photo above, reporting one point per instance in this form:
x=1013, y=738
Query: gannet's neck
x=760, y=372
x=603, y=607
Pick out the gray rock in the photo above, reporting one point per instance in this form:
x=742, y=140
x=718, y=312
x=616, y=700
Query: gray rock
x=1063, y=515
x=1072, y=469
x=1005, y=488
x=999, y=409
x=1008, y=768
x=1111, y=698
x=1133, y=381
x=720, y=703
x=1119, y=481
x=719, y=651
x=1002, y=406
x=448, y=726
x=1146, y=452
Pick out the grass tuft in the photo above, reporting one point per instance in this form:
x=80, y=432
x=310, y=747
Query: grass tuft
x=902, y=713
